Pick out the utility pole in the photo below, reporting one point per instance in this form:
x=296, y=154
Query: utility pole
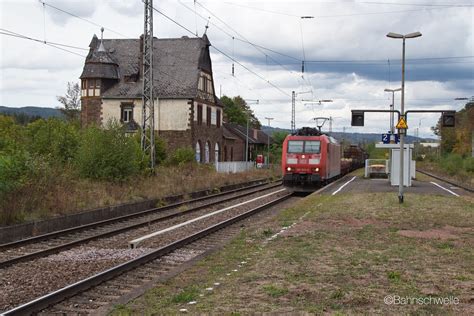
x=148, y=107
x=268, y=142
x=293, y=110
x=247, y=134
x=392, y=106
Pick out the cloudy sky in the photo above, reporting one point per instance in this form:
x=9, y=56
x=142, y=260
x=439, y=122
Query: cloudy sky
x=348, y=58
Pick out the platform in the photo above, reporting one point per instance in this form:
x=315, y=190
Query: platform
x=357, y=184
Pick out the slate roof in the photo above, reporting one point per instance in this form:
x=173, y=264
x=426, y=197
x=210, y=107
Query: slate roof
x=176, y=66
x=240, y=131
x=228, y=134
x=262, y=137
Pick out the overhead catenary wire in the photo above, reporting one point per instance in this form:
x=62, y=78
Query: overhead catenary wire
x=318, y=61
x=223, y=53
x=260, y=46
x=242, y=39
x=52, y=44
x=83, y=19
x=463, y=5
x=426, y=8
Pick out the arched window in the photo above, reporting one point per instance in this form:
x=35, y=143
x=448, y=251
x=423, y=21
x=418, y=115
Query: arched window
x=216, y=152
x=207, y=152
x=198, y=151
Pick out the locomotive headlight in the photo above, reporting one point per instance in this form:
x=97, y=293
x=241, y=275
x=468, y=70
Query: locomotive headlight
x=303, y=156
x=288, y=169
x=316, y=169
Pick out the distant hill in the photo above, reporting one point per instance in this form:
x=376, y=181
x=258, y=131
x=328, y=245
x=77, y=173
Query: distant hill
x=32, y=111
x=353, y=138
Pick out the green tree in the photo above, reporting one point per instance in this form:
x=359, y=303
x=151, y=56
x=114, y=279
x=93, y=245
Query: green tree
x=457, y=139
x=236, y=110
x=71, y=102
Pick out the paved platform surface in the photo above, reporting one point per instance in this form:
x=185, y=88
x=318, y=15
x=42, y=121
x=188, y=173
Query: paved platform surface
x=357, y=184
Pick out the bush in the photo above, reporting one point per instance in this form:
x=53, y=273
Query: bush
x=182, y=156
x=452, y=163
x=108, y=154
x=160, y=149
x=54, y=139
x=13, y=171
x=469, y=164
x=11, y=135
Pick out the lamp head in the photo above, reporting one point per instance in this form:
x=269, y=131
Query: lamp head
x=413, y=35
x=394, y=35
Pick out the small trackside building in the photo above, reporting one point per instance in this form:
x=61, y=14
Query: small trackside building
x=187, y=112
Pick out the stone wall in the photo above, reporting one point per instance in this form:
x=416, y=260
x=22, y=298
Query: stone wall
x=176, y=139
x=91, y=111
x=212, y=135
x=235, y=149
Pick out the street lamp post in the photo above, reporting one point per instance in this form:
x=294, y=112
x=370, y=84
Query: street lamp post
x=392, y=106
x=402, y=107
x=268, y=142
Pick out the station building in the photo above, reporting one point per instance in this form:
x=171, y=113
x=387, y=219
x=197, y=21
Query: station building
x=187, y=111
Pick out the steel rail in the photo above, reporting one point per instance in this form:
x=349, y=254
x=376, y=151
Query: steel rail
x=47, y=300
x=444, y=180
x=123, y=217
x=62, y=247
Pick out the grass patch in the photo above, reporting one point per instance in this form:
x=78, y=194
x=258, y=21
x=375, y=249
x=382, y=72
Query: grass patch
x=267, y=233
x=394, y=276
x=343, y=257
x=187, y=295
x=274, y=291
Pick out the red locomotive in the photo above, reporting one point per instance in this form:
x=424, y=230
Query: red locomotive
x=311, y=159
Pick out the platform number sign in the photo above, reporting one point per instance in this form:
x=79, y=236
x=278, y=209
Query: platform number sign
x=357, y=118
x=390, y=138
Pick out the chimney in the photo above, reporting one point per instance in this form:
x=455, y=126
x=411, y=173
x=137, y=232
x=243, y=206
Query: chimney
x=255, y=133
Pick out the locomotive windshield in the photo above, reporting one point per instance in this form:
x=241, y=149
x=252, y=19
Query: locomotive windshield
x=312, y=146
x=295, y=146
x=308, y=146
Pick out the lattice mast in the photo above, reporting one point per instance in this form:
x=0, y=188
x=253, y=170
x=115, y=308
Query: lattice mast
x=148, y=111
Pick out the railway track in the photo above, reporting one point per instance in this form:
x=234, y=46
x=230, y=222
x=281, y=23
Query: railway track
x=40, y=246
x=447, y=181
x=158, y=251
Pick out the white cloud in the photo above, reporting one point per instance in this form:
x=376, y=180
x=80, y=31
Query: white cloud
x=33, y=73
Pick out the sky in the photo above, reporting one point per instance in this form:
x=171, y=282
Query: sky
x=347, y=57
